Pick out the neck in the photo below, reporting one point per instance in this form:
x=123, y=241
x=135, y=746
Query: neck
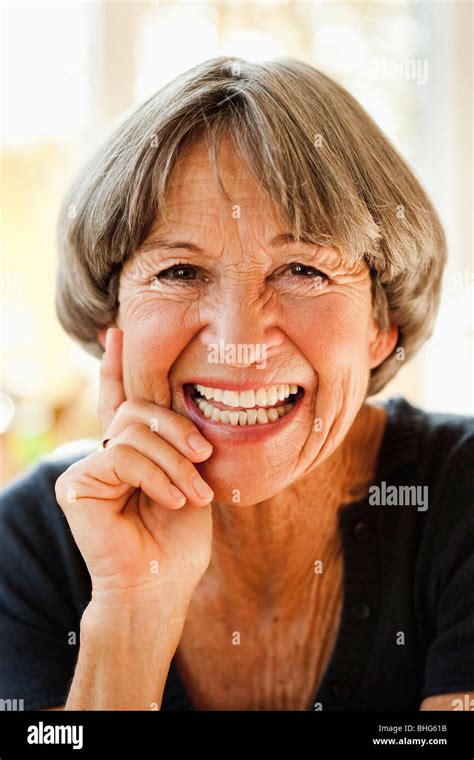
x=268, y=551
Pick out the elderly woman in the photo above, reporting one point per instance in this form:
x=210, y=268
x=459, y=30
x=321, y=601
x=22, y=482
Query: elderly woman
x=252, y=260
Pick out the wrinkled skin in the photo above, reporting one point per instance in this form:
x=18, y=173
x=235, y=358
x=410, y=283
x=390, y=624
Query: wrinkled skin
x=317, y=327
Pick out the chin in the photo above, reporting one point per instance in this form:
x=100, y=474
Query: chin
x=239, y=486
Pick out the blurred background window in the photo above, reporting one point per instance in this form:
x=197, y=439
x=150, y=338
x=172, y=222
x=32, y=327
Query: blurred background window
x=69, y=72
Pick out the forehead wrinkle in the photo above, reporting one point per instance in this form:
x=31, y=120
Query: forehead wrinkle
x=230, y=162
x=255, y=204
x=240, y=185
x=216, y=221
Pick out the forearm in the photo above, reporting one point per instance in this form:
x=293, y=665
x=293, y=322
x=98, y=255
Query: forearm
x=124, y=656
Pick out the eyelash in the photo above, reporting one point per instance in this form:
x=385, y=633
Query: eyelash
x=315, y=272
x=162, y=275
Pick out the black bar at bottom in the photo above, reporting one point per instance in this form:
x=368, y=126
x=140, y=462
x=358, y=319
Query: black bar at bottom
x=131, y=734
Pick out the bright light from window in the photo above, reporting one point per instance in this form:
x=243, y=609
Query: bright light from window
x=168, y=44
x=7, y=412
x=45, y=70
x=254, y=46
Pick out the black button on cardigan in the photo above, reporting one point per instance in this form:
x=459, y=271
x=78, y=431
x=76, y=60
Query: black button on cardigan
x=361, y=531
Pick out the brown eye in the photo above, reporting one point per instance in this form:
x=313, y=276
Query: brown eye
x=302, y=270
x=178, y=272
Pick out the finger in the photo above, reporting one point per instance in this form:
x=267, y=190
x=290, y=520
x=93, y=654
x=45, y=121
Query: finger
x=176, y=466
x=111, y=390
x=178, y=430
x=98, y=479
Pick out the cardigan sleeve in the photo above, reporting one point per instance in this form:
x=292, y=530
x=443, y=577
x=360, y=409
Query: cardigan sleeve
x=44, y=587
x=449, y=665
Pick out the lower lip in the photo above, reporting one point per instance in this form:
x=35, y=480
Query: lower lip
x=238, y=433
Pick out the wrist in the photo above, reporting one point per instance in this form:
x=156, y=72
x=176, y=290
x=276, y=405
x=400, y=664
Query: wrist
x=125, y=613
x=167, y=595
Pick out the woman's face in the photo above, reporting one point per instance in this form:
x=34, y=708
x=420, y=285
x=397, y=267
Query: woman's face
x=226, y=301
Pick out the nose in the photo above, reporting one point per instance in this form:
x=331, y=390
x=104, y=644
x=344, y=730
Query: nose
x=243, y=330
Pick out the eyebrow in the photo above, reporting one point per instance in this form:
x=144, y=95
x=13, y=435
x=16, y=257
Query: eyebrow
x=164, y=242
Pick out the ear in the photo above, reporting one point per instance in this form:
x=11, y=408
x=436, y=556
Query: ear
x=382, y=344
x=101, y=334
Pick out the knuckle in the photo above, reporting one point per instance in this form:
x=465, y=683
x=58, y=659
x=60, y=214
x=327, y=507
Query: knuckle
x=135, y=431
x=119, y=453
x=63, y=486
x=118, y=417
x=124, y=408
x=183, y=464
x=156, y=474
x=179, y=427
x=59, y=488
x=183, y=426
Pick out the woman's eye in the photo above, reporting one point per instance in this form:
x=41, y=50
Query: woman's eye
x=186, y=272
x=178, y=272
x=303, y=270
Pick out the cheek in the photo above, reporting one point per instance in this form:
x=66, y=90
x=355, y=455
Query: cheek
x=154, y=336
x=332, y=333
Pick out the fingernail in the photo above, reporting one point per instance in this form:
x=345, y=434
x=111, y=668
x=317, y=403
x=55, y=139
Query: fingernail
x=199, y=444
x=177, y=495
x=201, y=488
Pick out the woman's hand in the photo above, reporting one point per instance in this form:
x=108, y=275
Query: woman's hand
x=139, y=511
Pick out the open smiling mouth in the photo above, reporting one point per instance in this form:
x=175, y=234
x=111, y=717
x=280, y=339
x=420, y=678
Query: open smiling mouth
x=259, y=406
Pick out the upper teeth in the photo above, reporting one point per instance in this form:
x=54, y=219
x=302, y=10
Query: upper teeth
x=250, y=398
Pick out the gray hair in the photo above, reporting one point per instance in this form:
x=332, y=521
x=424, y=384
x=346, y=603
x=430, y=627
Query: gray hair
x=327, y=166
